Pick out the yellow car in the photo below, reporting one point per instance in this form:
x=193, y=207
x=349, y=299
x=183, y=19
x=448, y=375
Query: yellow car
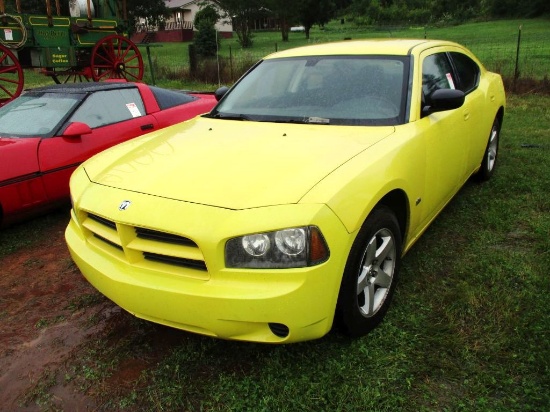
x=288, y=207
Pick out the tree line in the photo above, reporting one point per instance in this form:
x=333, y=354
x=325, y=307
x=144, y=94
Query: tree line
x=307, y=13
x=445, y=11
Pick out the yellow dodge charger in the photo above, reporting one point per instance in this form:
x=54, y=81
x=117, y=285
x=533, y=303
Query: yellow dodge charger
x=286, y=210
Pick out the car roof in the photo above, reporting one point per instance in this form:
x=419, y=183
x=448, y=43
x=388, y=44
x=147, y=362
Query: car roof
x=395, y=47
x=86, y=87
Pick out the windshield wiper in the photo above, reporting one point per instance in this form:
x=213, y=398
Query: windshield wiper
x=305, y=120
x=231, y=116
x=318, y=120
x=298, y=121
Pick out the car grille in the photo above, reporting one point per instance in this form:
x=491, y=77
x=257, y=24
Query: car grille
x=147, y=248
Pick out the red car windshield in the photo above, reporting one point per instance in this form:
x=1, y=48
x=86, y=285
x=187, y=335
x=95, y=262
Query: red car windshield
x=36, y=114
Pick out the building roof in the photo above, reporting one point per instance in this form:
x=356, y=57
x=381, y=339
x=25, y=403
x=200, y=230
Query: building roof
x=180, y=4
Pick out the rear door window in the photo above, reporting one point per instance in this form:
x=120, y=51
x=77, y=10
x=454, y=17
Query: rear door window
x=468, y=71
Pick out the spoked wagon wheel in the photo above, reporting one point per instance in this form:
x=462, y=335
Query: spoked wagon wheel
x=11, y=76
x=116, y=57
x=70, y=75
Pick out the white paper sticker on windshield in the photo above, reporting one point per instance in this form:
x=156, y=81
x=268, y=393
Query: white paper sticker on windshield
x=133, y=109
x=8, y=34
x=450, y=80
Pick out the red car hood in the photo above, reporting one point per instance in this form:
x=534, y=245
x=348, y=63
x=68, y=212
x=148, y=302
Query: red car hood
x=18, y=157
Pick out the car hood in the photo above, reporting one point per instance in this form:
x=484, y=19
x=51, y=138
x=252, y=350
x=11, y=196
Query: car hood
x=232, y=164
x=18, y=157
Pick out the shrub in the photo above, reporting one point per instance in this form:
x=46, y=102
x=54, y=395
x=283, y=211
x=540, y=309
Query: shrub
x=206, y=39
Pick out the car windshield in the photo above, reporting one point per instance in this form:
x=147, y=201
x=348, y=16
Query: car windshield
x=341, y=90
x=36, y=114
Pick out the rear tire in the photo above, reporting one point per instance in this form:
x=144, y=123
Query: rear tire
x=371, y=274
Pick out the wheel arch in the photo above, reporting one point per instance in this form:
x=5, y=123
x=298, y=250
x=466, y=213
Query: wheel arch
x=397, y=201
x=500, y=116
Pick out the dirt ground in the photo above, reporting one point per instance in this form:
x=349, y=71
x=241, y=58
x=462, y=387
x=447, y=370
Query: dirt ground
x=45, y=311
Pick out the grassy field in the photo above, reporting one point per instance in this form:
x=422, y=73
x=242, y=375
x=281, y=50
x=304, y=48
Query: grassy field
x=495, y=43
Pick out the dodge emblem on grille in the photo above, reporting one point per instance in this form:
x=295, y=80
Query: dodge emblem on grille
x=124, y=205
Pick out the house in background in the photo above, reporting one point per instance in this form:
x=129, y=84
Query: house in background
x=179, y=26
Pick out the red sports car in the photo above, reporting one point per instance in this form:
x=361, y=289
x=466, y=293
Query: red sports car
x=47, y=132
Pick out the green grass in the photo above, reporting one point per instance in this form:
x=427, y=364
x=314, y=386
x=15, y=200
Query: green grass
x=39, y=394
x=495, y=43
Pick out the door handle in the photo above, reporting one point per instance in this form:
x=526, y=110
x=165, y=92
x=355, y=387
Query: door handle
x=147, y=126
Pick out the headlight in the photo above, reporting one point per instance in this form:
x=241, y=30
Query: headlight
x=256, y=245
x=286, y=248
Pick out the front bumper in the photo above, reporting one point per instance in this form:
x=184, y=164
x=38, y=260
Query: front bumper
x=279, y=306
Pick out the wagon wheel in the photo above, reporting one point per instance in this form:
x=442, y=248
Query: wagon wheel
x=69, y=75
x=11, y=76
x=116, y=57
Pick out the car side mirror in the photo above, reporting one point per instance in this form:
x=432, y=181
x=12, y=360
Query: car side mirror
x=77, y=129
x=220, y=92
x=442, y=100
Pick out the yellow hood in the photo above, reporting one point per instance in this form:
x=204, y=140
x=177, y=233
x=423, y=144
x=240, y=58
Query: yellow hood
x=232, y=164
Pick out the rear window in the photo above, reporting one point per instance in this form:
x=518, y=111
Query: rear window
x=171, y=98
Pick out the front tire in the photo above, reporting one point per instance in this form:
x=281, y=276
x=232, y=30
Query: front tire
x=371, y=274
x=489, y=161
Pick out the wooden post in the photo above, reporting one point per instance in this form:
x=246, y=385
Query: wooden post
x=58, y=8
x=2, y=7
x=89, y=11
x=48, y=12
x=231, y=63
x=124, y=11
x=516, y=69
x=18, y=6
x=193, y=60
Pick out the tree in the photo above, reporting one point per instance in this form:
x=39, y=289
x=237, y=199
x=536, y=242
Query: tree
x=286, y=12
x=207, y=14
x=206, y=41
x=241, y=13
x=313, y=12
x=342, y=4
x=153, y=11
